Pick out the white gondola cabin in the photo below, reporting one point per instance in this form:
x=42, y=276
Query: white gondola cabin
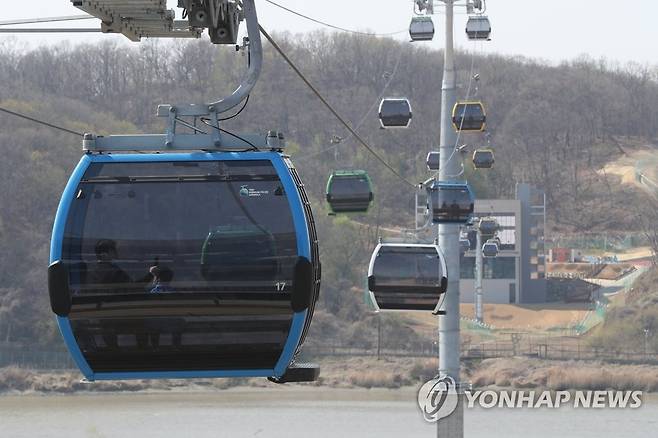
x=407, y=276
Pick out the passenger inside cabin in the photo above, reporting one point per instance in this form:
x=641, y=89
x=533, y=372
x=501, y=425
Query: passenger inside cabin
x=105, y=272
x=162, y=277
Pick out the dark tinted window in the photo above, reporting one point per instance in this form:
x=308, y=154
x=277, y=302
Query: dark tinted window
x=220, y=240
x=469, y=111
x=407, y=267
x=433, y=160
x=451, y=203
x=349, y=186
x=447, y=197
x=396, y=108
x=195, y=219
x=490, y=250
x=421, y=26
x=483, y=158
x=488, y=227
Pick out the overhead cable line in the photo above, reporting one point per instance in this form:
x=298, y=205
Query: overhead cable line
x=323, y=23
x=50, y=30
x=46, y=20
x=40, y=122
x=331, y=108
x=365, y=116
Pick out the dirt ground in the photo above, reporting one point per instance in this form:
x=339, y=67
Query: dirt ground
x=634, y=254
x=624, y=167
x=539, y=317
x=506, y=316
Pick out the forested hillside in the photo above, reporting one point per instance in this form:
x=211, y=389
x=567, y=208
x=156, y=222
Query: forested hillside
x=554, y=126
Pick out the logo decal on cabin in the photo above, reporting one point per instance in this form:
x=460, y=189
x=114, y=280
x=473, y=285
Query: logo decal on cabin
x=246, y=192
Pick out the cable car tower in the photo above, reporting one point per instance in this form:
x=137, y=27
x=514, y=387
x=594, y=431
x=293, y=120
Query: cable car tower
x=470, y=116
x=485, y=229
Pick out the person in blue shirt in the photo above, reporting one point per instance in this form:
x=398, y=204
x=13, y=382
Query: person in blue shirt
x=162, y=276
x=161, y=279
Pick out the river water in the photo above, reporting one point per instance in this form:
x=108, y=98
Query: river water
x=295, y=413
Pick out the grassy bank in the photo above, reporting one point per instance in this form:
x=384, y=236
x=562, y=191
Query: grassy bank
x=633, y=322
x=336, y=373
x=518, y=373
x=564, y=375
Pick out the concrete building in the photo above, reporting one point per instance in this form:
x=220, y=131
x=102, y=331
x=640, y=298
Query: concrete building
x=518, y=274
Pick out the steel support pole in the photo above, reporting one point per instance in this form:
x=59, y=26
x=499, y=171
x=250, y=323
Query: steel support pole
x=449, y=345
x=479, y=310
x=416, y=221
